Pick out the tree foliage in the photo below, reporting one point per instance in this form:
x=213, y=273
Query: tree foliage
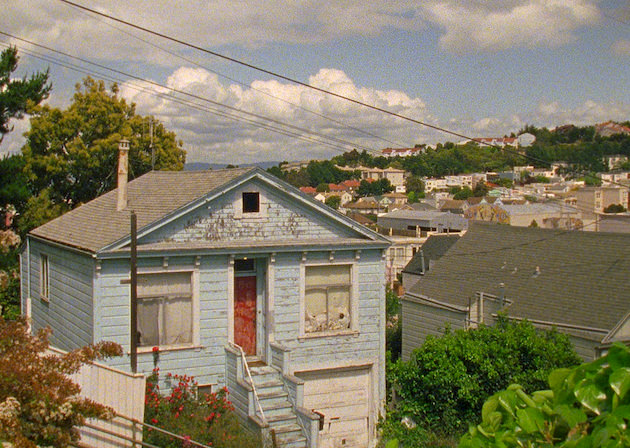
x=333, y=201
x=18, y=95
x=586, y=406
x=74, y=152
x=376, y=188
x=39, y=404
x=444, y=384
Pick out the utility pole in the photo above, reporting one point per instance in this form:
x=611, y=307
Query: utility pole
x=151, y=144
x=134, y=295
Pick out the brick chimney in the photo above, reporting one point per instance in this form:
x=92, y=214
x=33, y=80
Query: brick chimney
x=123, y=169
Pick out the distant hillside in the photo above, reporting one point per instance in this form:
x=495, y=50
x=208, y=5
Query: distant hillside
x=198, y=166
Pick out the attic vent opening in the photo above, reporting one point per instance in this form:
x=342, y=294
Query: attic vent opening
x=251, y=202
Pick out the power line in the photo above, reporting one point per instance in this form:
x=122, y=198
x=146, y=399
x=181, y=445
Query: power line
x=289, y=79
x=297, y=106
x=266, y=71
x=345, y=144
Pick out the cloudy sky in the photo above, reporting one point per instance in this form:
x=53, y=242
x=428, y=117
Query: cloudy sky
x=476, y=67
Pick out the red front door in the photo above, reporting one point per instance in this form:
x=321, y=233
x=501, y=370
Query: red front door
x=245, y=313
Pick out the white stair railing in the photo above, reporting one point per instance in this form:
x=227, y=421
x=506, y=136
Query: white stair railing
x=251, y=381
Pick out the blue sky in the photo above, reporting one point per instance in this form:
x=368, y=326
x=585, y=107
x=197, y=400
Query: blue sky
x=481, y=68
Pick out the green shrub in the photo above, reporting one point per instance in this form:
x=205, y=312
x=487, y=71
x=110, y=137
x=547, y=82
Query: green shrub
x=444, y=384
x=587, y=406
x=207, y=419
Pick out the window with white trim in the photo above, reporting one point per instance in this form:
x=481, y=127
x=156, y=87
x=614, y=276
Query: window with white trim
x=44, y=277
x=327, y=298
x=165, y=309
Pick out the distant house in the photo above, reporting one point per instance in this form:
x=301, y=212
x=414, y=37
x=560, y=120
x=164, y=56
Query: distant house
x=615, y=161
x=235, y=267
x=431, y=250
x=544, y=215
x=420, y=223
x=611, y=128
x=454, y=206
x=401, y=152
x=576, y=282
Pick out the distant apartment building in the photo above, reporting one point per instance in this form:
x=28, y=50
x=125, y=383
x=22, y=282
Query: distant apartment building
x=620, y=177
x=395, y=176
x=593, y=200
x=461, y=180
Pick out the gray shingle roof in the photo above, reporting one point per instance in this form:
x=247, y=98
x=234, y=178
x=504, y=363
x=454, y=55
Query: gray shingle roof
x=432, y=249
x=153, y=196
x=583, y=278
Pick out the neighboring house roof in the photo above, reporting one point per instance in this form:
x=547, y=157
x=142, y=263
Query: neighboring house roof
x=422, y=206
x=432, y=250
x=308, y=190
x=568, y=278
x=155, y=198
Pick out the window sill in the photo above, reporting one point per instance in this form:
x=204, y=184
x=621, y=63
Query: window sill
x=169, y=348
x=328, y=334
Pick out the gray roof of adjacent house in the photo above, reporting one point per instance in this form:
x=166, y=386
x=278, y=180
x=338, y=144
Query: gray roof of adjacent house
x=153, y=196
x=564, y=277
x=432, y=250
x=435, y=219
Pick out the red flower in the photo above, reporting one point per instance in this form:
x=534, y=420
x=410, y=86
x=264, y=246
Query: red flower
x=155, y=349
x=154, y=421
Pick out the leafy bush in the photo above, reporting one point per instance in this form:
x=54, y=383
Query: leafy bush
x=587, y=406
x=446, y=381
x=39, y=404
x=207, y=419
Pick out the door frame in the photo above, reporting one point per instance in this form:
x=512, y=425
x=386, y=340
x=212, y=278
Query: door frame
x=260, y=272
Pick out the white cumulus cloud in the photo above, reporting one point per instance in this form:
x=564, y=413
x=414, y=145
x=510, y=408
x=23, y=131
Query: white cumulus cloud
x=475, y=25
x=273, y=120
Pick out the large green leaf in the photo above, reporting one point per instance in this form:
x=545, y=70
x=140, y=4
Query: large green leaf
x=620, y=381
x=571, y=415
x=590, y=396
x=531, y=420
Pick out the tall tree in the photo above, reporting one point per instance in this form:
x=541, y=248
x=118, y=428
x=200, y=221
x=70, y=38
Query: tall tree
x=17, y=95
x=73, y=152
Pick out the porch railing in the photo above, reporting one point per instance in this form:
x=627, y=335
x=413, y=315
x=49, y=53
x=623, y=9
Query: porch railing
x=251, y=381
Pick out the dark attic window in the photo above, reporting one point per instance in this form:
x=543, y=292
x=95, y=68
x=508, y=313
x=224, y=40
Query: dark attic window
x=251, y=202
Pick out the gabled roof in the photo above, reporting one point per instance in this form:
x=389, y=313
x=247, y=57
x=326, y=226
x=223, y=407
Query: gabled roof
x=432, y=250
x=564, y=277
x=155, y=197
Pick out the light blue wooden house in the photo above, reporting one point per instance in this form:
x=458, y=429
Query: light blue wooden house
x=237, y=271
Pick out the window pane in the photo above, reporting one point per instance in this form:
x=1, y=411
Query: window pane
x=315, y=307
x=177, y=321
x=165, y=308
x=148, y=318
x=327, y=275
x=339, y=308
x=327, y=303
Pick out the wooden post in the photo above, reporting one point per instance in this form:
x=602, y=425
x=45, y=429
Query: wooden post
x=133, y=296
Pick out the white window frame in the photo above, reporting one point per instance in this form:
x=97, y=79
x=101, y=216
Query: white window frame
x=44, y=277
x=354, y=300
x=194, y=283
x=262, y=205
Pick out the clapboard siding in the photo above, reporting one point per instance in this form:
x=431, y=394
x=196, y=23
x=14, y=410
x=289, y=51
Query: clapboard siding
x=220, y=220
x=420, y=320
x=205, y=362
x=69, y=310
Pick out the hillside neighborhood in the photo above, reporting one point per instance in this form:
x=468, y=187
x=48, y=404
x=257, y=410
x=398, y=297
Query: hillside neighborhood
x=367, y=277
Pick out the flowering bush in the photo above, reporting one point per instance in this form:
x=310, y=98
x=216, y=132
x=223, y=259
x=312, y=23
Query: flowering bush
x=39, y=404
x=207, y=419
